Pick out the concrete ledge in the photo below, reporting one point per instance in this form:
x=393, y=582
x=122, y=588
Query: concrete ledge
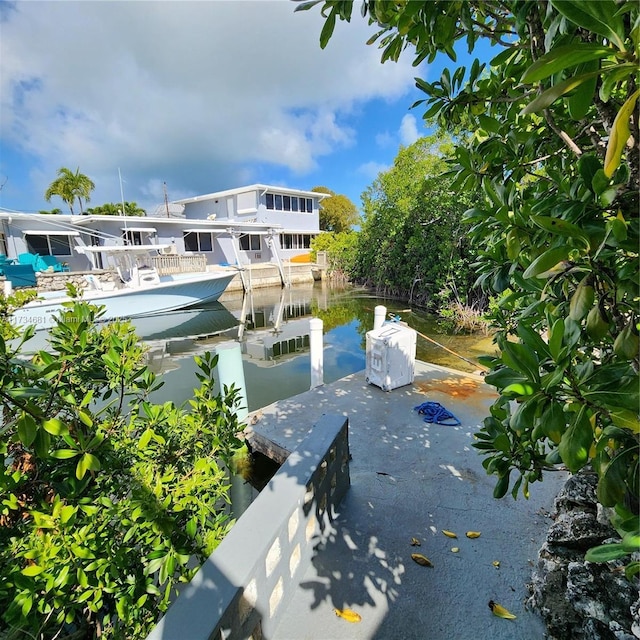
x=242, y=589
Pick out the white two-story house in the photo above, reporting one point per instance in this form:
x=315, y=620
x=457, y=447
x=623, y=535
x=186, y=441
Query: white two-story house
x=248, y=225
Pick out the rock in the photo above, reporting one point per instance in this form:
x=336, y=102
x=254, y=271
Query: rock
x=581, y=600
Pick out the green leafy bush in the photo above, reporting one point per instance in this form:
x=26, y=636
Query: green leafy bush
x=107, y=501
x=553, y=160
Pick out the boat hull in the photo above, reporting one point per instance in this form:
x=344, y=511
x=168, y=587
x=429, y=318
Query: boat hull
x=170, y=294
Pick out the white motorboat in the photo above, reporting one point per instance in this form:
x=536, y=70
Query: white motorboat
x=141, y=293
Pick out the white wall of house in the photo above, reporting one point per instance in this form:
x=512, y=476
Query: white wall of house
x=249, y=225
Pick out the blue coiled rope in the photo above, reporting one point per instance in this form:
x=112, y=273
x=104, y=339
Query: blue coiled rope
x=435, y=412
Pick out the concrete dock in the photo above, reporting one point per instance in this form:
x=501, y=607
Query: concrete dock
x=411, y=479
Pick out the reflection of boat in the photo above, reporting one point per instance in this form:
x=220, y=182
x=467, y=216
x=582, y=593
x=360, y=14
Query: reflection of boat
x=207, y=320
x=180, y=326
x=142, y=293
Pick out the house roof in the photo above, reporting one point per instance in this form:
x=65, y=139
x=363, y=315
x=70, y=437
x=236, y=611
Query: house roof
x=252, y=187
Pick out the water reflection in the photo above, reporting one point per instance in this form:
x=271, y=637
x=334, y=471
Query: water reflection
x=272, y=327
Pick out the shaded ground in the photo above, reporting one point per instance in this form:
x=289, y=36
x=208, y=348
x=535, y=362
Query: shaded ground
x=413, y=479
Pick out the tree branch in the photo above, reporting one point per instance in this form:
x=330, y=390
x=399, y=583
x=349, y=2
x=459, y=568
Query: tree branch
x=564, y=136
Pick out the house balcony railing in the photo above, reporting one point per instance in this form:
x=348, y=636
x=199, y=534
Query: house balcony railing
x=171, y=264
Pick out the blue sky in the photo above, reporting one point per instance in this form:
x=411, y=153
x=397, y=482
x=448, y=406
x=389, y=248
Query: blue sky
x=202, y=96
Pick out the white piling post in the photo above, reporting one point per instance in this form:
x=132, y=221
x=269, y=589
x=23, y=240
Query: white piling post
x=231, y=371
x=316, y=351
x=8, y=289
x=379, y=315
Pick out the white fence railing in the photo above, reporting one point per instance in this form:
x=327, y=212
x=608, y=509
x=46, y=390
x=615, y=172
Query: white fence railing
x=166, y=265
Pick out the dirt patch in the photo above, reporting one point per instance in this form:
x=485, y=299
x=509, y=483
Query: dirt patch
x=455, y=387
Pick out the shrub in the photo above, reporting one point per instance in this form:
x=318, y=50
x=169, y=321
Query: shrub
x=107, y=500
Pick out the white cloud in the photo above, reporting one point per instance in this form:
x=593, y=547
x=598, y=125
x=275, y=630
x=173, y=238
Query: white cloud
x=385, y=140
x=194, y=92
x=370, y=170
x=408, y=130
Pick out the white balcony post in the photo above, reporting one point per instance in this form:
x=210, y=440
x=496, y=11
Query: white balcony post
x=316, y=351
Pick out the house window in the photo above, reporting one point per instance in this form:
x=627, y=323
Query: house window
x=132, y=237
x=3, y=244
x=46, y=245
x=278, y=202
x=194, y=241
x=250, y=242
x=296, y=240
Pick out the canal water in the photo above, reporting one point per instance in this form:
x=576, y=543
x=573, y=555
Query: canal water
x=272, y=327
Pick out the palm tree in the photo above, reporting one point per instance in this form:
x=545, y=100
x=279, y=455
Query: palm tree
x=71, y=186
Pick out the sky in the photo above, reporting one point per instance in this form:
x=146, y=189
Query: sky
x=194, y=97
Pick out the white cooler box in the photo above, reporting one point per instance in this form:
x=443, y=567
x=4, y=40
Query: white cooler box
x=391, y=356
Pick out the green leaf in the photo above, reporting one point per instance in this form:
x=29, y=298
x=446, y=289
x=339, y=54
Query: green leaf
x=588, y=165
x=88, y=462
x=64, y=454
x=631, y=542
x=619, y=135
x=519, y=389
x=582, y=99
x=55, y=427
x=632, y=569
x=546, y=261
x=564, y=57
x=611, y=483
x=560, y=227
x=556, y=337
x=145, y=438
x=522, y=358
x=626, y=419
x=523, y=418
x=553, y=422
x=605, y=553
x=598, y=16
x=503, y=377
x=582, y=299
x=32, y=570
x=626, y=344
x=27, y=429
x=327, y=29
x=548, y=97
x=66, y=513
x=42, y=443
x=85, y=418
x=502, y=486
x=576, y=441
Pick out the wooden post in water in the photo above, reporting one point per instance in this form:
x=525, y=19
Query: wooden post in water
x=316, y=352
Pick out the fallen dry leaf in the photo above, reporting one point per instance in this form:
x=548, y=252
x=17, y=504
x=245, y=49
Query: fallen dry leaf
x=449, y=534
x=421, y=560
x=500, y=611
x=348, y=615
x=473, y=534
